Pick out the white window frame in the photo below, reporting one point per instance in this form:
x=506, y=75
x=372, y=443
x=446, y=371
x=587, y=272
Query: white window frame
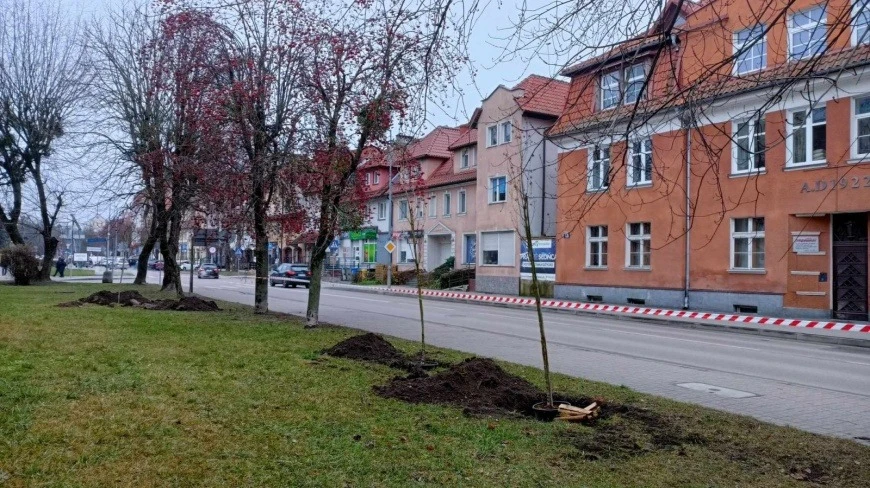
x=646, y=156
x=643, y=236
x=856, y=136
x=464, y=159
x=792, y=30
x=749, y=52
x=603, y=163
x=376, y=179
x=856, y=10
x=433, y=205
x=382, y=210
x=752, y=234
x=506, y=129
x=489, y=135
x=421, y=214
x=368, y=178
x=403, y=210
x=629, y=80
x=511, y=246
x=808, y=134
x=491, y=190
x=752, y=143
x=607, y=99
x=599, y=240
x=447, y=203
x=462, y=203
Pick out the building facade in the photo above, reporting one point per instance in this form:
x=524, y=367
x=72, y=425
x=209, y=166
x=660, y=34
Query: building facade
x=719, y=162
x=514, y=157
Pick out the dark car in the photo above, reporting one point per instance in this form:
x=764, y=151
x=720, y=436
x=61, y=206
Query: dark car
x=158, y=265
x=291, y=275
x=208, y=270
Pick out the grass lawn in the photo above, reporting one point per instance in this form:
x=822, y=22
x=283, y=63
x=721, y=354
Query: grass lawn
x=98, y=396
x=69, y=271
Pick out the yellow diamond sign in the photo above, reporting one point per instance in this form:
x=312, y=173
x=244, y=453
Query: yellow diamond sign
x=390, y=247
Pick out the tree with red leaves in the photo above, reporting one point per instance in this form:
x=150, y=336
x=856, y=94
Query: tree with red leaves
x=373, y=64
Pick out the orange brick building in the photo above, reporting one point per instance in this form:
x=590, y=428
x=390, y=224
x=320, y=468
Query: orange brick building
x=720, y=162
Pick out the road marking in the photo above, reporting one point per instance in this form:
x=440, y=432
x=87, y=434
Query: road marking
x=354, y=298
x=505, y=315
x=717, y=390
x=439, y=308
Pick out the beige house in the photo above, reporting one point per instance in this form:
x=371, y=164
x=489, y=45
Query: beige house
x=513, y=155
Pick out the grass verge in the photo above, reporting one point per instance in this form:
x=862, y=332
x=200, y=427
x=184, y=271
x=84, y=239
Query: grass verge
x=96, y=396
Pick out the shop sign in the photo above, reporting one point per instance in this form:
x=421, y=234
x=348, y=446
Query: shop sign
x=545, y=259
x=362, y=234
x=843, y=184
x=805, y=244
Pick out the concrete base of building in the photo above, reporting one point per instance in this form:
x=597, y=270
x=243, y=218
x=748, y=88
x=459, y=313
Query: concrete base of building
x=713, y=301
x=499, y=285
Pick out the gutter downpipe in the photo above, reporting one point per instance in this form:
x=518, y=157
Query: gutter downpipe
x=544, y=186
x=688, y=250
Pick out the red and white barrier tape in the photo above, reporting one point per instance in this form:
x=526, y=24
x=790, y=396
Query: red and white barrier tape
x=656, y=312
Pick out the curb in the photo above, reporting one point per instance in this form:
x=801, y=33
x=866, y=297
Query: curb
x=783, y=328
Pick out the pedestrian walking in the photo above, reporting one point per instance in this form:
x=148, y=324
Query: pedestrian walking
x=60, y=267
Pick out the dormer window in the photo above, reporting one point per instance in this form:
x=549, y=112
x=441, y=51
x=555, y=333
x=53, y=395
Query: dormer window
x=622, y=85
x=377, y=178
x=465, y=159
x=807, y=31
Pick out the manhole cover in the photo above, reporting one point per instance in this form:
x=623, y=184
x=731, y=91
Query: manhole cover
x=717, y=390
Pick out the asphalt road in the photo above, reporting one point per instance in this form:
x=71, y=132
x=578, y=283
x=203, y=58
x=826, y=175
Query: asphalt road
x=815, y=387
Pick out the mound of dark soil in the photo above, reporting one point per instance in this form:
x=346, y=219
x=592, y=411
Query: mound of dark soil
x=185, y=304
x=367, y=347
x=132, y=298
x=478, y=385
x=127, y=298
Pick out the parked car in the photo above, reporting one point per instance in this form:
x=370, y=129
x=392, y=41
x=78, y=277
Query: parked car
x=184, y=265
x=290, y=274
x=158, y=265
x=208, y=271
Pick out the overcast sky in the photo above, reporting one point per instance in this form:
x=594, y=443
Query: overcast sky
x=494, y=22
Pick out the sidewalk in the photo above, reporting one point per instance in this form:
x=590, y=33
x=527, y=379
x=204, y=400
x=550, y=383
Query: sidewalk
x=844, y=333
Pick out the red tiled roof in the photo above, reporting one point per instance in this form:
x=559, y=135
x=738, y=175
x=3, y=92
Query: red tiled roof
x=542, y=95
x=435, y=144
x=634, y=46
x=446, y=175
x=467, y=137
x=779, y=75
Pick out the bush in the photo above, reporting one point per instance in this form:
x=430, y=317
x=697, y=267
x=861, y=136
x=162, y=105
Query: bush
x=444, y=268
x=21, y=263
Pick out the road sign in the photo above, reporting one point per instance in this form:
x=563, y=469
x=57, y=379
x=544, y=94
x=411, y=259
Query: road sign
x=94, y=249
x=238, y=251
x=212, y=250
x=333, y=246
x=390, y=247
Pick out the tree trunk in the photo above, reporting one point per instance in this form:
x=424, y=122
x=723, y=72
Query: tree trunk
x=145, y=253
x=10, y=222
x=536, y=291
x=142, y=263
x=261, y=252
x=50, y=245
x=312, y=315
x=171, y=274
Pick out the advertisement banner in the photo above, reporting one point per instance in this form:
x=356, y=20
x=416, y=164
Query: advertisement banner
x=545, y=259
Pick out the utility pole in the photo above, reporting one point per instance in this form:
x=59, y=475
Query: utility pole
x=390, y=216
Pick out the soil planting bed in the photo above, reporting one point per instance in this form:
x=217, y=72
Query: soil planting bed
x=477, y=385
x=370, y=347
x=132, y=298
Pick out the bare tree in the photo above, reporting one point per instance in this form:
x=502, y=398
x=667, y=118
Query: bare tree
x=131, y=115
x=42, y=81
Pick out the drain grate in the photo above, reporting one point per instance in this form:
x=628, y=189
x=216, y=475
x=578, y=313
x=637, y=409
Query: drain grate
x=717, y=390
